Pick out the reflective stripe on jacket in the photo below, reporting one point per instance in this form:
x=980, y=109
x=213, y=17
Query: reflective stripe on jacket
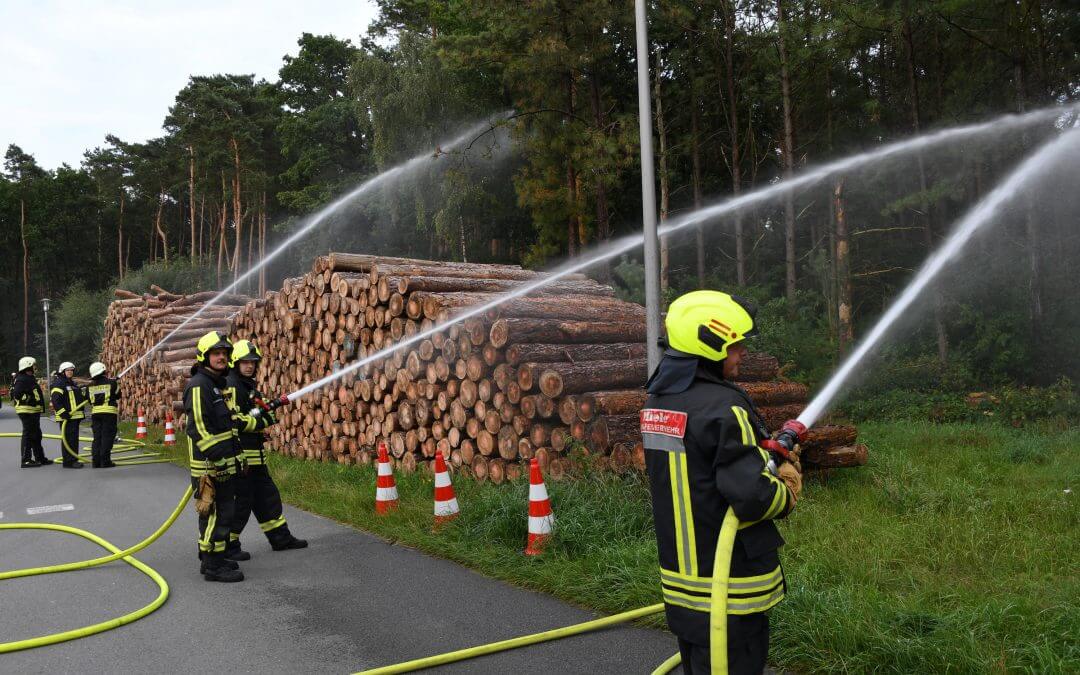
x=104, y=396
x=26, y=393
x=68, y=399
x=210, y=429
x=701, y=437
x=240, y=395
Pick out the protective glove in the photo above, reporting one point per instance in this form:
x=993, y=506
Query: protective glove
x=791, y=476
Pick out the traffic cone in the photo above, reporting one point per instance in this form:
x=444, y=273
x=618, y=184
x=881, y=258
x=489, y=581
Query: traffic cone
x=541, y=519
x=446, y=506
x=140, y=426
x=386, y=498
x=170, y=433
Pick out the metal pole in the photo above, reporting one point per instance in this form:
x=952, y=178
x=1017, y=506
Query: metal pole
x=648, y=191
x=48, y=366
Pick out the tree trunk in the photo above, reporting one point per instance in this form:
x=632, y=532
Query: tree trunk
x=733, y=132
x=26, y=276
x=262, y=247
x=665, y=187
x=789, y=158
x=695, y=175
x=191, y=196
x=1031, y=228
x=572, y=225
x=120, y=239
x=157, y=225
x=928, y=228
x=843, y=271
x=238, y=217
x=603, y=215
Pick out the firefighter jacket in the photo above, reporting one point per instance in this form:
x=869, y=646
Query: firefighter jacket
x=104, y=396
x=68, y=399
x=213, y=447
x=240, y=395
x=701, y=436
x=26, y=393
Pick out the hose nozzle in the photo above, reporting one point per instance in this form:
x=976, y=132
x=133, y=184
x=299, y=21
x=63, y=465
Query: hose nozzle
x=791, y=434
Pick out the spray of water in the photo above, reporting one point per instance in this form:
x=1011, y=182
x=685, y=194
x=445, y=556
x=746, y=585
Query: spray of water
x=978, y=217
x=367, y=187
x=630, y=242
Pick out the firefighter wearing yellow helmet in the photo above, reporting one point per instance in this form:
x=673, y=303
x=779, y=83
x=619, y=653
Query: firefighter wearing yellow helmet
x=715, y=492
x=255, y=489
x=214, y=454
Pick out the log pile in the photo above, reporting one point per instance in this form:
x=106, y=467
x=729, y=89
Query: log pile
x=555, y=374
x=135, y=323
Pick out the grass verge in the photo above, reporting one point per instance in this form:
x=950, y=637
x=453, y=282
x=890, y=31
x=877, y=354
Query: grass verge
x=956, y=550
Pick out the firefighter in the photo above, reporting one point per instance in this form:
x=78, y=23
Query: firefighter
x=213, y=454
x=29, y=404
x=68, y=402
x=708, y=474
x=104, y=396
x=255, y=490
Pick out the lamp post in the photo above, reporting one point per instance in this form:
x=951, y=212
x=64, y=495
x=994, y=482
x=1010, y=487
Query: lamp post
x=45, y=306
x=648, y=191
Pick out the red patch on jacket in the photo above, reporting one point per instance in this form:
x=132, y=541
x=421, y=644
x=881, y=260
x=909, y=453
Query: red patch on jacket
x=666, y=422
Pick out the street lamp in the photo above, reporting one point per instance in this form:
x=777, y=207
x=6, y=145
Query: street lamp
x=45, y=306
x=648, y=191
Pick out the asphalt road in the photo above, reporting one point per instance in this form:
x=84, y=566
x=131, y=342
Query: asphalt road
x=350, y=601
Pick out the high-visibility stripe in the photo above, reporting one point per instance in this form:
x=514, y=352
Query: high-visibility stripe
x=662, y=442
x=208, y=442
x=744, y=425
x=683, y=513
x=696, y=584
x=737, y=586
x=272, y=524
x=205, y=541
x=759, y=583
x=755, y=603
x=701, y=603
x=197, y=413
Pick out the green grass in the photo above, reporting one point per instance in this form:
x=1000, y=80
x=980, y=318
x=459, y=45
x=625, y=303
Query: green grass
x=956, y=550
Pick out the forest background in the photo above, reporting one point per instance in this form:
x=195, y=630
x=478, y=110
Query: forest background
x=744, y=93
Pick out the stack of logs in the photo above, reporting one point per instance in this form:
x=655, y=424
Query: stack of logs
x=136, y=323
x=552, y=374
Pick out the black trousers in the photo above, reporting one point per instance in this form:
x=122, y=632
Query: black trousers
x=214, y=528
x=257, y=492
x=31, y=438
x=747, y=647
x=69, y=441
x=104, y=426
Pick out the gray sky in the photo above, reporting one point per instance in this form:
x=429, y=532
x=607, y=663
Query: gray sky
x=72, y=71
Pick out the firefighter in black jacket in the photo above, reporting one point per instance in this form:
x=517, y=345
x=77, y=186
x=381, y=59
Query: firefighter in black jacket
x=715, y=491
x=29, y=404
x=214, y=453
x=255, y=490
x=104, y=397
x=69, y=403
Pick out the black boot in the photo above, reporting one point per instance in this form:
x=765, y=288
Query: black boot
x=235, y=553
x=45, y=461
x=217, y=569
x=286, y=542
x=205, y=564
x=28, y=464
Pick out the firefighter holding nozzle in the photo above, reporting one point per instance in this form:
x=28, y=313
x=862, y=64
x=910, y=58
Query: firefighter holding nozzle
x=715, y=490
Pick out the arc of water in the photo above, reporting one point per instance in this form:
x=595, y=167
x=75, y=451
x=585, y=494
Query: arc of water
x=979, y=216
x=630, y=242
x=314, y=221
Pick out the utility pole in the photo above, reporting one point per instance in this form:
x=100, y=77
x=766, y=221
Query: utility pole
x=45, y=306
x=648, y=191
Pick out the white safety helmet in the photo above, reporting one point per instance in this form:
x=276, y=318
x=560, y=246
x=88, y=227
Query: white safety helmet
x=64, y=366
x=96, y=368
x=26, y=362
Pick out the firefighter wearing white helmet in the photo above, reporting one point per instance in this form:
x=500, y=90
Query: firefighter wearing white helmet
x=29, y=404
x=104, y=410
x=255, y=488
x=68, y=401
x=714, y=494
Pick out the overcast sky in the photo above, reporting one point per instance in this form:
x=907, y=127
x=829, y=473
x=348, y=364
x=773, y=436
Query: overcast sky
x=71, y=72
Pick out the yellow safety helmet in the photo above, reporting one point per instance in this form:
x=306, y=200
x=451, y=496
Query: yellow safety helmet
x=706, y=323
x=244, y=350
x=208, y=343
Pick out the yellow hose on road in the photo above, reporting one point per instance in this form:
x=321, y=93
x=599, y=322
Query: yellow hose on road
x=123, y=445
x=504, y=645
x=116, y=554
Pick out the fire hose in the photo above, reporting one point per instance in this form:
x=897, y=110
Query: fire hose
x=132, y=452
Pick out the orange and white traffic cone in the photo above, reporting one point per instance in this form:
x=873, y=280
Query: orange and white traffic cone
x=386, y=498
x=170, y=433
x=446, y=506
x=140, y=426
x=541, y=519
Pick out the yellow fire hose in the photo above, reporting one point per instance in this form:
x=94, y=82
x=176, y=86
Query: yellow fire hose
x=132, y=452
x=717, y=622
x=116, y=554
